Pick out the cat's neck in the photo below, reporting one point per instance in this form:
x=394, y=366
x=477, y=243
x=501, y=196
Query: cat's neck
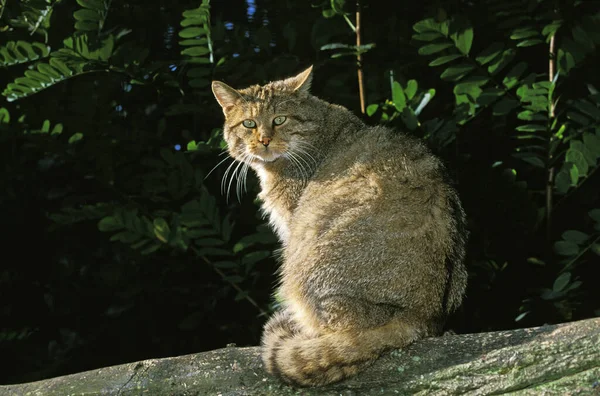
x=283, y=181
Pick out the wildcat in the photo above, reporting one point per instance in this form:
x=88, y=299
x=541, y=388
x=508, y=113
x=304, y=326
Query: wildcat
x=373, y=236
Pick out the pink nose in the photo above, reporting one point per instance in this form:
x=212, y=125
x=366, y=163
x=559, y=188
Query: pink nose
x=265, y=141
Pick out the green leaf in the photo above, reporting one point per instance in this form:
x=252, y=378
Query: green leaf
x=529, y=115
x=573, y=173
x=465, y=40
x=455, y=73
x=427, y=25
x=193, y=42
x=75, y=137
x=225, y=264
x=499, y=64
x=398, y=96
x=575, y=236
x=512, y=77
x=411, y=89
x=126, y=236
x=521, y=316
x=580, y=119
x=505, y=106
x=562, y=281
x=490, y=53
x=578, y=159
x=562, y=181
x=592, y=142
x=523, y=33
x=151, y=249
x=444, y=59
x=86, y=26
x=428, y=36
x=588, y=108
x=97, y=5
x=566, y=248
x=371, y=109
x=191, y=32
x=60, y=66
x=87, y=15
x=161, y=229
x=195, y=51
x=529, y=43
x=204, y=242
x=4, y=116
x=531, y=128
x=212, y=251
x=409, y=118
x=254, y=257
x=433, y=48
x=109, y=223
x=199, y=20
x=595, y=215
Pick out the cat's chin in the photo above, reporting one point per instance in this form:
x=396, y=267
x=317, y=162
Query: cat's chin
x=271, y=157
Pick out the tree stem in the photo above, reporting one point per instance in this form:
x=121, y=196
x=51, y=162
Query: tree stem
x=550, y=169
x=361, y=85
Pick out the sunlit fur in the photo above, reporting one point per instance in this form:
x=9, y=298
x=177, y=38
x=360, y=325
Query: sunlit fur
x=372, y=234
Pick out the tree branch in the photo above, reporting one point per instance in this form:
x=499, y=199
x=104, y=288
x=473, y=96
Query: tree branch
x=361, y=84
x=558, y=359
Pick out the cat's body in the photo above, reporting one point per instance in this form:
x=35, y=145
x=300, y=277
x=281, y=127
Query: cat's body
x=372, y=235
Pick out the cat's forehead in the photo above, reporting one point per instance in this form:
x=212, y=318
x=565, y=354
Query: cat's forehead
x=267, y=97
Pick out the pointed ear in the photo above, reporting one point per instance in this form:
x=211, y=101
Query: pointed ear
x=225, y=95
x=301, y=82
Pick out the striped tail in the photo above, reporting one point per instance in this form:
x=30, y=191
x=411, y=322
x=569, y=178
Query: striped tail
x=331, y=357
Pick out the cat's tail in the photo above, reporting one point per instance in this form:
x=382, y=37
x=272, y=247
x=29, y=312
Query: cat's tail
x=330, y=357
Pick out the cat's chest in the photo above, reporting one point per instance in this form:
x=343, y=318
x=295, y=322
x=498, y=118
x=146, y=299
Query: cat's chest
x=278, y=203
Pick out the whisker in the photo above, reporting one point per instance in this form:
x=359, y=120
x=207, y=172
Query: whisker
x=297, y=164
x=300, y=152
x=224, y=179
x=216, y=166
x=234, y=174
x=241, y=178
x=306, y=148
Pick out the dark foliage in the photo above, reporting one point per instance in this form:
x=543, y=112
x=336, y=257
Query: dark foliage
x=123, y=240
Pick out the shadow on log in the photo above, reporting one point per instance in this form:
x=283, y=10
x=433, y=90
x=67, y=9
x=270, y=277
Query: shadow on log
x=551, y=360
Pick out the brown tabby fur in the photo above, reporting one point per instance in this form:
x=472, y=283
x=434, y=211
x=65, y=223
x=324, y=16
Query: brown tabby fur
x=372, y=234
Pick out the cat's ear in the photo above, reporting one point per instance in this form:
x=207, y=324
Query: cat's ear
x=301, y=82
x=225, y=95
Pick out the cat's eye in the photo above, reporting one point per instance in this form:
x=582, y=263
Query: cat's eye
x=249, y=124
x=279, y=120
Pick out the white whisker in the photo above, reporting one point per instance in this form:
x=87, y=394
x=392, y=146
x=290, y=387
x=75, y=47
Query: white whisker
x=216, y=166
x=231, y=179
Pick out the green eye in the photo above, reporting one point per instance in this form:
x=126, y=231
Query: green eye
x=249, y=124
x=279, y=120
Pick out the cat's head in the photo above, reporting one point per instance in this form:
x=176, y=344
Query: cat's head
x=269, y=122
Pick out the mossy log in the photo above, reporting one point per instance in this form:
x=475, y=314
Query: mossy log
x=551, y=360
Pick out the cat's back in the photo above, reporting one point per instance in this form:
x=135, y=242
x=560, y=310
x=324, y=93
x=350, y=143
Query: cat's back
x=375, y=162
x=374, y=175
x=376, y=209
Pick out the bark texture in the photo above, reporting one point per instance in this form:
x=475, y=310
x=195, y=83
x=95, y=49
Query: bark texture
x=551, y=360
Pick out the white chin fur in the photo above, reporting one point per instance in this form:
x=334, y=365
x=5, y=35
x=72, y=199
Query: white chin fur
x=267, y=158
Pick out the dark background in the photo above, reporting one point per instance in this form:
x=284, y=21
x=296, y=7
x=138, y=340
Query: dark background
x=116, y=247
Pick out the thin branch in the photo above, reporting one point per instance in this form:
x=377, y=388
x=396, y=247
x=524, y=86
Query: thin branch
x=361, y=84
x=575, y=188
x=224, y=277
x=581, y=253
x=349, y=22
x=550, y=168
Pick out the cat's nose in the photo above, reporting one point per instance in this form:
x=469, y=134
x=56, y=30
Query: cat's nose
x=265, y=141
